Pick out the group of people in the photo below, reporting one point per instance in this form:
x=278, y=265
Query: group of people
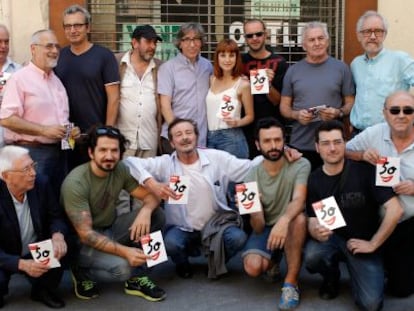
x=70, y=116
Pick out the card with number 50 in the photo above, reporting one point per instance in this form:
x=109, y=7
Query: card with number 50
x=153, y=246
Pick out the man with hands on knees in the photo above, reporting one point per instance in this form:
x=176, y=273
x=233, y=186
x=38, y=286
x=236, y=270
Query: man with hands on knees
x=281, y=225
x=394, y=138
x=29, y=213
x=358, y=199
x=109, y=242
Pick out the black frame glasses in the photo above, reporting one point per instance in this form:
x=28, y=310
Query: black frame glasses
x=257, y=34
x=368, y=32
x=407, y=110
x=77, y=26
x=25, y=170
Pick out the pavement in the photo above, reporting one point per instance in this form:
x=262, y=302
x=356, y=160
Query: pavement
x=233, y=292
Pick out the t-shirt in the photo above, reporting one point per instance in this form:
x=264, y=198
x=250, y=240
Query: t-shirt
x=82, y=190
x=84, y=77
x=358, y=199
x=276, y=191
x=312, y=85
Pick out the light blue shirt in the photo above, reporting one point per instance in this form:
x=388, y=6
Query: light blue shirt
x=187, y=84
x=217, y=167
x=375, y=79
x=379, y=137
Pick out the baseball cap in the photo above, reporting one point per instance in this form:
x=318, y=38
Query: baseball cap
x=146, y=31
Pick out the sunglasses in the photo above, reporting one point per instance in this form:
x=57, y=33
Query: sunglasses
x=257, y=34
x=396, y=110
x=110, y=131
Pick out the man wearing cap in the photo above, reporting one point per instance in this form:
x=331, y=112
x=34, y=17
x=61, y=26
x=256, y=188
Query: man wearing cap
x=139, y=116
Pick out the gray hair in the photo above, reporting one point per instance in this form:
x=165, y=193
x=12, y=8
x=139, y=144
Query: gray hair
x=36, y=36
x=313, y=25
x=2, y=26
x=368, y=14
x=186, y=28
x=8, y=154
x=77, y=8
x=400, y=93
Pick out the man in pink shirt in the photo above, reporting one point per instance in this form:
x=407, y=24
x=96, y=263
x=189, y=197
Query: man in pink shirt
x=35, y=109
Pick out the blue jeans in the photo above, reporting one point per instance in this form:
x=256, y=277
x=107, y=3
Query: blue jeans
x=51, y=162
x=183, y=244
x=233, y=141
x=105, y=267
x=365, y=270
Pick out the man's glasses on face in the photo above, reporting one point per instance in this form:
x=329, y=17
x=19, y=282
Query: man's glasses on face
x=407, y=110
x=195, y=40
x=257, y=34
x=377, y=32
x=49, y=46
x=75, y=26
x=25, y=170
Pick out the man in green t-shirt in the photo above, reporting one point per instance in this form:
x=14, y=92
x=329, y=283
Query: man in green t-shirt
x=108, y=250
x=281, y=225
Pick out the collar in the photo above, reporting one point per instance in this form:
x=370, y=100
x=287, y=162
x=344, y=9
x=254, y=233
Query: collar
x=374, y=59
x=126, y=59
x=185, y=60
x=40, y=71
x=201, y=156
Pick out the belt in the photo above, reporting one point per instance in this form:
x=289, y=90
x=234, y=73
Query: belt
x=35, y=144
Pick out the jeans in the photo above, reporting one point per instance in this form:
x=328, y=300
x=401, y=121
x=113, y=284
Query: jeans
x=233, y=141
x=51, y=162
x=105, y=267
x=183, y=244
x=365, y=270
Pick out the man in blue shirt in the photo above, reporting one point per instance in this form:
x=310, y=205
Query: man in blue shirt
x=377, y=73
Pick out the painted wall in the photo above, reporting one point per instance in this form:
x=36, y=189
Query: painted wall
x=399, y=16
x=23, y=18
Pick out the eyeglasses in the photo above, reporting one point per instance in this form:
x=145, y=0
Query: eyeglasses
x=407, y=110
x=257, y=34
x=26, y=170
x=109, y=131
x=327, y=143
x=49, y=46
x=195, y=40
x=75, y=26
x=377, y=32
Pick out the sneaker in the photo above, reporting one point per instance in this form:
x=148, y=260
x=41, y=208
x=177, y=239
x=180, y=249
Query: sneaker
x=145, y=288
x=289, y=299
x=329, y=288
x=84, y=288
x=273, y=275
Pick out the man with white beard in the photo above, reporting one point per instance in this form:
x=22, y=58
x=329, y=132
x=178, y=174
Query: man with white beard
x=35, y=108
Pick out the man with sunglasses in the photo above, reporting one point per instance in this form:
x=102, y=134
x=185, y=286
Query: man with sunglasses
x=109, y=242
x=394, y=138
x=377, y=73
x=29, y=213
x=260, y=57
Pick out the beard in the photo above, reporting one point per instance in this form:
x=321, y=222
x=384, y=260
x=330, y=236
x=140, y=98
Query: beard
x=273, y=154
x=107, y=166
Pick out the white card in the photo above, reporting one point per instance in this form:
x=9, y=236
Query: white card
x=227, y=107
x=259, y=82
x=388, y=171
x=153, y=245
x=328, y=213
x=248, y=198
x=43, y=252
x=180, y=185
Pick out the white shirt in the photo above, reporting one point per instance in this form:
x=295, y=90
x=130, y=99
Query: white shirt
x=137, y=118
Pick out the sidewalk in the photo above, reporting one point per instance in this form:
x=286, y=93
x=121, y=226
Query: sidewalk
x=234, y=292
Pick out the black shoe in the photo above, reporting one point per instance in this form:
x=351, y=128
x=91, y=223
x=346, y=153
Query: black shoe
x=329, y=288
x=84, y=288
x=1, y=302
x=184, y=270
x=145, y=288
x=48, y=298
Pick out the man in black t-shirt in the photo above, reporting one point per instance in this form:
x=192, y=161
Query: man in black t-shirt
x=258, y=57
x=359, y=200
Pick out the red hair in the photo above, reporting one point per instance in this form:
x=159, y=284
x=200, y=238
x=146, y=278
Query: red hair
x=230, y=46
